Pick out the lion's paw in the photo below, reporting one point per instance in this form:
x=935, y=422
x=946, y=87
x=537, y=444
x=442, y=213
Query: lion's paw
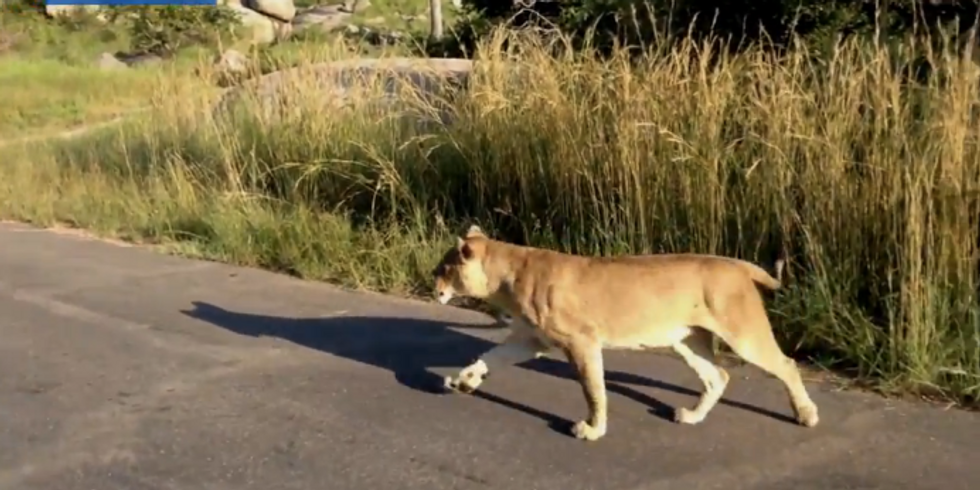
x=807, y=416
x=457, y=385
x=687, y=416
x=582, y=430
x=469, y=379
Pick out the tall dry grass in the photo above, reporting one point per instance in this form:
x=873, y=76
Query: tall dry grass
x=865, y=178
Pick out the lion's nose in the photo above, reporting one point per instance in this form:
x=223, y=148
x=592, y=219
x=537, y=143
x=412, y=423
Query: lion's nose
x=445, y=296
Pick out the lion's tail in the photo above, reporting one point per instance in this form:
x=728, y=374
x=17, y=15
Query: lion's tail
x=761, y=276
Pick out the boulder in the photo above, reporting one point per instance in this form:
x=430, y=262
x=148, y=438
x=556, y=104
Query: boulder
x=283, y=30
x=139, y=59
x=354, y=6
x=259, y=28
x=332, y=84
x=231, y=61
x=230, y=66
x=281, y=10
x=109, y=61
x=322, y=17
x=55, y=10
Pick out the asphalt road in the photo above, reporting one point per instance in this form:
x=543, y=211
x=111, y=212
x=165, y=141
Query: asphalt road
x=124, y=369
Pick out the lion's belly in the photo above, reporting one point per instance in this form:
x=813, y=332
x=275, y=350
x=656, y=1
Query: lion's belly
x=649, y=339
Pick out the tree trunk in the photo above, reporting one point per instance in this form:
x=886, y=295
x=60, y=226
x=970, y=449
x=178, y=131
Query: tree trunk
x=435, y=19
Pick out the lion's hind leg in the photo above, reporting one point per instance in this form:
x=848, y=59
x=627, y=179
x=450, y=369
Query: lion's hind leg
x=698, y=352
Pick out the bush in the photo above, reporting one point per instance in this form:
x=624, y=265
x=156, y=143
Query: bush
x=820, y=24
x=163, y=30
x=22, y=7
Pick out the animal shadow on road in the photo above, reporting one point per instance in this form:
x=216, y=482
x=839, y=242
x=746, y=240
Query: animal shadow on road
x=409, y=347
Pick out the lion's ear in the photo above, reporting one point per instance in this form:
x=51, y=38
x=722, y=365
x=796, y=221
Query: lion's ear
x=466, y=251
x=473, y=231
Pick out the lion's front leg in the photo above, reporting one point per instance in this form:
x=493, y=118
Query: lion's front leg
x=516, y=348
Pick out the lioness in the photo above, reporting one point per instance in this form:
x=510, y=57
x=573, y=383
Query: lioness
x=579, y=305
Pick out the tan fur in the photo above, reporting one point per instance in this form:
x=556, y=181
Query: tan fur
x=581, y=305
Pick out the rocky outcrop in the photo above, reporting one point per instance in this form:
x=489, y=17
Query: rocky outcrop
x=110, y=61
x=56, y=10
x=330, y=86
x=264, y=21
x=230, y=67
x=356, y=5
x=281, y=10
x=321, y=17
x=258, y=28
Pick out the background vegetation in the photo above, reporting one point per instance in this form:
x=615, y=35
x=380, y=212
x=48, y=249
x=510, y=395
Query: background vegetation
x=742, y=23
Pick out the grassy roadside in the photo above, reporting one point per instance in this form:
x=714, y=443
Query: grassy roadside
x=867, y=180
x=181, y=216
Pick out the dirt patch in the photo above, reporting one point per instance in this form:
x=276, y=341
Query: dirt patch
x=73, y=132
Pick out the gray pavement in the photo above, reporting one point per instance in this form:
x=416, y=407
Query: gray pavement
x=124, y=369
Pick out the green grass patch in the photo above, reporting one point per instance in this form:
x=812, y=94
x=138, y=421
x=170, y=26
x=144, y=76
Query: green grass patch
x=43, y=96
x=75, y=41
x=51, y=80
x=868, y=181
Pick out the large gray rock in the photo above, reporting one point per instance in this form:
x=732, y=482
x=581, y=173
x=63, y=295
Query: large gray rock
x=327, y=87
x=322, y=17
x=281, y=10
x=56, y=10
x=354, y=6
x=258, y=28
x=283, y=30
x=230, y=66
x=109, y=61
x=231, y=61
x=139, y=60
